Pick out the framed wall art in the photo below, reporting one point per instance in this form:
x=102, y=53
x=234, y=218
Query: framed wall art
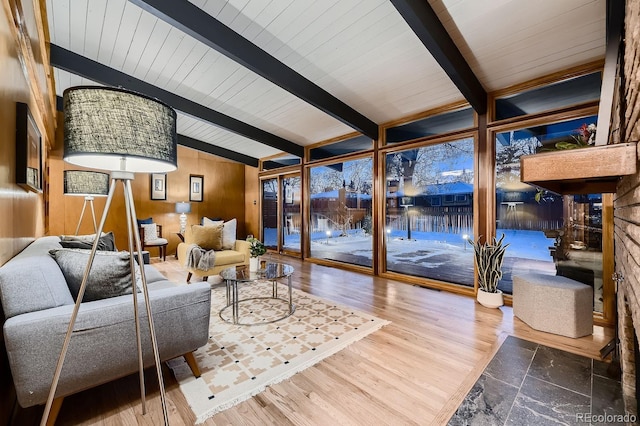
x=196, y=187
x=28, y=150
x=158, y=186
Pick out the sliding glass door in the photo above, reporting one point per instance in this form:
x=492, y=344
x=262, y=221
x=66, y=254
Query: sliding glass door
x=270, y=213
x=281, y=213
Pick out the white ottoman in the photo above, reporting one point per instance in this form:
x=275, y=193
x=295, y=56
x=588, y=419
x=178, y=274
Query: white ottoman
x=553, y=304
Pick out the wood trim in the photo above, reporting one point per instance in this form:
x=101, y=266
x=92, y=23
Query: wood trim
x=40, y=8
x=346, y=266
x=428, y=141
x=340, y=159
x=452, y=404
x=280, y=171
x=545, y=80
x=545, y=114
x=308, y=148
x=484, y=196
x=43, y=114
x=608, y=262
x=430, y=283
x=455, y=106
x=378, y=232
x=542, y=118
x=331, y=141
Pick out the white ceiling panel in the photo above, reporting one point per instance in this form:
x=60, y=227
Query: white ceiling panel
x=151, y=50
x=360, y=51
x=507, y=42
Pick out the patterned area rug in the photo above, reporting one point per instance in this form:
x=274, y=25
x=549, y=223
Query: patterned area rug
x=241, y=361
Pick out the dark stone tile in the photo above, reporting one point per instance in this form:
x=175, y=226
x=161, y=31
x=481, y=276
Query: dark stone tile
x=563, y=369
x=487, y=403
x=605, y=369
x=511, y=362
x=606, y=397
x=540, y=403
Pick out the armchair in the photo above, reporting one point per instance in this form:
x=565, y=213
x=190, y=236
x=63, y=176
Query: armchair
x=239, y=255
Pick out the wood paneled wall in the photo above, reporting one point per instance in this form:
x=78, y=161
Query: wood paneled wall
x=224, y=185
x=627, y=209
x=23, y=78
x=22, y=212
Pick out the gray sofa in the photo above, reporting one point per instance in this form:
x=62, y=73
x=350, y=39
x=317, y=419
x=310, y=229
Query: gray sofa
x=37, y=306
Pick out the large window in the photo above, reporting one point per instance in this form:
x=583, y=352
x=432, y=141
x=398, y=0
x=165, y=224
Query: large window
x=340, y=212
x=429, y=211
x=547, y=233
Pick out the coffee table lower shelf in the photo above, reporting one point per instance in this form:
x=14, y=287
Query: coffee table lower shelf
x=273, y=272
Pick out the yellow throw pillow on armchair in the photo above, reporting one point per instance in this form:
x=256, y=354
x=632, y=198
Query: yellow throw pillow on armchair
x=207, y=237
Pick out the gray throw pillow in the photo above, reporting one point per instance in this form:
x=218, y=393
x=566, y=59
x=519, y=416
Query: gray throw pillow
x=110, y=274
x=105, y=243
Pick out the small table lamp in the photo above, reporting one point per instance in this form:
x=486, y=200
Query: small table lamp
x=123, y=132
x=183, y=208
x=87, y=184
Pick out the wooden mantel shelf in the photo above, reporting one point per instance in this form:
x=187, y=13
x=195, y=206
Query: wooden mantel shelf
x=591, y=170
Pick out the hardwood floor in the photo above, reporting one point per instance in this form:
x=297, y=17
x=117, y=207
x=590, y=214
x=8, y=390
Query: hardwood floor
x=414, y=371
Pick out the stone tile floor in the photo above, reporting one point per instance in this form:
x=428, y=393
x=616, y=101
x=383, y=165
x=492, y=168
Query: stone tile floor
x=530, y=384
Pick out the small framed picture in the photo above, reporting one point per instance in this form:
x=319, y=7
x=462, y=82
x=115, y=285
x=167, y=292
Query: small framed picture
x=28, y=150
x=196, y=187
x=158, y=186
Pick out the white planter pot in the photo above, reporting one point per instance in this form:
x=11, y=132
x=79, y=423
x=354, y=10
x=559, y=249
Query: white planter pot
x=490, y=300
x=254, y=264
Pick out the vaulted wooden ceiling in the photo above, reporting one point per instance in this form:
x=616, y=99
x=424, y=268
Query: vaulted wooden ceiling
x=253, y=78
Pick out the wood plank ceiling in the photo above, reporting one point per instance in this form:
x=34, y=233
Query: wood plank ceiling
x=365, y=60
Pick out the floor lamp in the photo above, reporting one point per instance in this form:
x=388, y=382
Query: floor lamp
x=125, y=133
x=86, y=184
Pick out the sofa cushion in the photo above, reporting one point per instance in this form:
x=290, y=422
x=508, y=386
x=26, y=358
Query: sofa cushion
x=229, y=234
x=207, y=237
x=226, y=257
x=152, y=274
x=32, y=280
x=105, y=243
x=110, y=273
x=208, y=221
x=211, y=222
x=144, y=221
x=149, y=232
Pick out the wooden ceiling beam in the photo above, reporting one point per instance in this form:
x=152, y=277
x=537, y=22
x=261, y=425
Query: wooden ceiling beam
x=79, y=65
x=198, y=24
x=425, y=24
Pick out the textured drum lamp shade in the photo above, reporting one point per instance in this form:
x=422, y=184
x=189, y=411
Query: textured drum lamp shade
x=183, y=208
x=114, y=129
x=88, y=184
x=80, y=182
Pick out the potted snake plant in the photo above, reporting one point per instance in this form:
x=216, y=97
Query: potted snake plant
x=256, y=249
x=488, y=258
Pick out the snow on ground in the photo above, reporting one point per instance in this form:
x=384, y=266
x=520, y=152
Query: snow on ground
x=532, y=245
x=438, y=255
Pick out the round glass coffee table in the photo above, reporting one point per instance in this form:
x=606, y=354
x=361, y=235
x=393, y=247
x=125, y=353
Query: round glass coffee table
x=241, y=274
